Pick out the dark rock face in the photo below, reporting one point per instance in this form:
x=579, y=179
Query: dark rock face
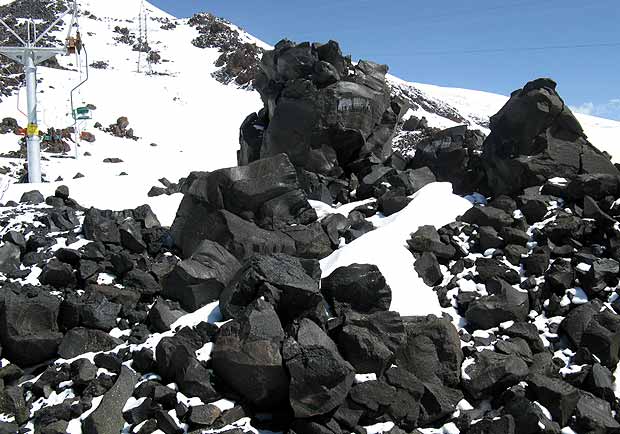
x=321, y=110
x=265, y=193
x=370, y=342
x=92, y=310
x=199, y=280
x=360, y=287
x=427, y=267
x=9, y=258
x=432, y=350
x=505, y=304
x=177, y=361
x=594, y=415
x=559, y=397
x=29, y=330
x=320, y=377
x=493, y=372
x=450, y=154
x=284, y=281
x=82, y=340
x=108, y=417
x=247, y=356
x=535, y=137
x=596, y=329
x=326, y=98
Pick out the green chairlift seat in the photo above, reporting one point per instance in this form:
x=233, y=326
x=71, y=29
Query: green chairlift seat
x=82, y=113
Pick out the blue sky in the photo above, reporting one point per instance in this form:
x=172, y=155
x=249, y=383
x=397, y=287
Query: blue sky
x=485, y=44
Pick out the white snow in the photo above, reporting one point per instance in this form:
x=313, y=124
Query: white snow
x=469, y=361
x=362, y=378
x=435, y=204
x=379, y=428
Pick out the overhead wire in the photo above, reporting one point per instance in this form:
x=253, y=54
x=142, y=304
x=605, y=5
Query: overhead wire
x=505, y=49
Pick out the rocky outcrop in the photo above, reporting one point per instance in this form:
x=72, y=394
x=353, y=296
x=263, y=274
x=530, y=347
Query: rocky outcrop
x=535, y=137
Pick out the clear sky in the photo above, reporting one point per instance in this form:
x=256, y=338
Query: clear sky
x=492, y=45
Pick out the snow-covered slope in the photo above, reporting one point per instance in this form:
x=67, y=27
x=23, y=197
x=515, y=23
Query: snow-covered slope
x=192, y=118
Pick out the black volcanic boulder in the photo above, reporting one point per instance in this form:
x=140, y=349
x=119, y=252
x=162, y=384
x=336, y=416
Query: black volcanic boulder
x=92, y=310
x=360, y=287
x=491, y=372
x=9, y=258
x=247, y=357
x=594, y=415
x=29, y=327
x=108, y=417
x=504, y=304
x=240, y=207
x=242, y=238
x=596, y=328
x=286, y=282
x=370, y=341
x=449, y=154
x=487, y=216
x=321, y=110
x=559, y=397
x=199, y=280
x=320, y=378
x=427, y=239
x=535, y=137
x=81, y=340
x=428, y=268
x=176, y=361
x=432, y=351
x=99, y=227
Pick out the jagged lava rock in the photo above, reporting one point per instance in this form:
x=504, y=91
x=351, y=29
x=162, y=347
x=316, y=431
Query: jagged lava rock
x=265, y=193
x=330, y=111
x=535, y=137
x=199, y=280
x=247, y=356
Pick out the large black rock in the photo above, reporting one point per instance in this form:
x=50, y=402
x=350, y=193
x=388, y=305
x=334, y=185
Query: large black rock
x=320, y=377
x=82, y=340
x=176, y=361
x=450, y=154
x=596, y=328
x=247, y=357
x=322, y=110
x=283, y=281
x=199, y=280
x=504, y=304
x=360, y=287
x=492, y=372
x=265, y=193
x=432, y=351
x=370, y=342
x=29, y=327
x=535, y=137
x=559, y=397
x=108, y=417
x=9, y=258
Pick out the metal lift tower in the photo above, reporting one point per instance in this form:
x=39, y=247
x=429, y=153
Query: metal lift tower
x=30, y=55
